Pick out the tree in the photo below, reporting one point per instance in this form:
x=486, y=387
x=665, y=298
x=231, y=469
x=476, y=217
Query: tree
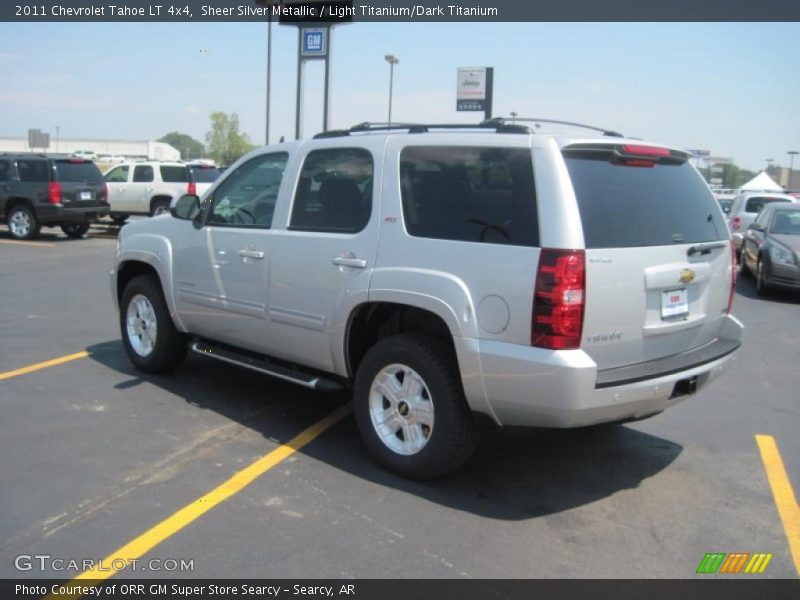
x=185, y=144
x=225, y=143
x=734, y=176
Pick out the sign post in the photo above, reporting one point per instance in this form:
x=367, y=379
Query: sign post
x=475, y=90
x=315, y=31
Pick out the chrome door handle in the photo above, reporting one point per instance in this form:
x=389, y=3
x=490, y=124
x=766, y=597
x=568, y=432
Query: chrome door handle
x=350, y=261
x=257, y=254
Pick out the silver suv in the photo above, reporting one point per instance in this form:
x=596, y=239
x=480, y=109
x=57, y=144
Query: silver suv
x=441, y=273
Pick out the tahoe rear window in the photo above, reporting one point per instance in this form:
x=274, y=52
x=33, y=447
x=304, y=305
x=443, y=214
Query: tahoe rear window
x=757, y=203
x=174, y=174
x=626, y=206
x=205, y=174
x=470, y=194
x=84, y=171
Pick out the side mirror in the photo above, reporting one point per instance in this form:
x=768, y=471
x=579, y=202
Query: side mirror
x=187, y=207
x=756, y=226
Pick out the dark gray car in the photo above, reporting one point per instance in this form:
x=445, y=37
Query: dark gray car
x=771, y=248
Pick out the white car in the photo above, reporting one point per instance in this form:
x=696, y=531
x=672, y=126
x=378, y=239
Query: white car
x=85, y=154
x=146, y=188
x=111, y=158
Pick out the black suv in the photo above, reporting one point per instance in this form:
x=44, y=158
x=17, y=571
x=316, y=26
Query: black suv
x=50, y=190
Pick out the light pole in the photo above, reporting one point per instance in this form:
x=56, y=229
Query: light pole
x=392, y=60
x=792, y=154
x=769, y=163
x=268, y=4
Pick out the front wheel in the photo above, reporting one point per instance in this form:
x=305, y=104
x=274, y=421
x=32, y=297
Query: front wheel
x=762, y=287
x=410, y=407
x=150, y=338
x=75, y=230
x=22, y=223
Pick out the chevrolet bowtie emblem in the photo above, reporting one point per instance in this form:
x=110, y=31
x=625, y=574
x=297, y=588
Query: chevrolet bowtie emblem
x=687, y=276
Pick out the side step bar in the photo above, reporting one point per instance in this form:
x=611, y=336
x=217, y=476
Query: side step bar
x=263, y=364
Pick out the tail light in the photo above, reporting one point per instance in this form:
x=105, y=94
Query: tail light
x=732, y=293
x=559, y=299
x=55, y=192
x=191, y=188
x=640, y=150
x=104, y=193
x=736, y=222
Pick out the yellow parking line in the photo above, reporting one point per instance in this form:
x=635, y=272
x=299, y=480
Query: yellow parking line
x=40, y=244
x=43, y=365
x=177, y=521
x=782, y=492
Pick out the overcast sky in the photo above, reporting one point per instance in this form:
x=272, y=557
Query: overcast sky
x=733, y=89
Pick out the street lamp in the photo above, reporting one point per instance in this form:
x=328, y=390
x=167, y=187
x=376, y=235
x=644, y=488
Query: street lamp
x=769, y=163
x=392, y=60
x=792, y=154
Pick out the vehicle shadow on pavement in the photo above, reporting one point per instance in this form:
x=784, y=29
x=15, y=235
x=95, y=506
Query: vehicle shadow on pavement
x=515, y=474
x=746, y=286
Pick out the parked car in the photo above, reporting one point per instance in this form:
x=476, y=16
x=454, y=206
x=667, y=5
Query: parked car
x=111, y=158
x=85, y=154
x=771, y=250
x=203, y=175
x=53, y=191
x=146, y=187
x=443, y=276
x=745, y=209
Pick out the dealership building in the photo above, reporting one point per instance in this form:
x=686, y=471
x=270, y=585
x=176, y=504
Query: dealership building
x=128, y=148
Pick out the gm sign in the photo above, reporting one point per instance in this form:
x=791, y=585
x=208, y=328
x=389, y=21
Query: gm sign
x=314, y=42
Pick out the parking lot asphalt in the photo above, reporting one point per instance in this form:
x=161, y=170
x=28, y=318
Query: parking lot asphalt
x=95, y=455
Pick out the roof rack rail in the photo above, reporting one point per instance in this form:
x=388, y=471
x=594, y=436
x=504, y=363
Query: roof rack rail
x=514, y=120
x=366, y=127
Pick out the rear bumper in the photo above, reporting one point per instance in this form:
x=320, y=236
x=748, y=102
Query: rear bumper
x=737, y=240
x=54, y=214
x=544, y=388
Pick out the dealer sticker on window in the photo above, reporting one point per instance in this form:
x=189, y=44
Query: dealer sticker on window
x=674, y=303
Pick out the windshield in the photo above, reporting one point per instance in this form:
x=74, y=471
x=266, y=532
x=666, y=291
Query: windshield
x=787, y=222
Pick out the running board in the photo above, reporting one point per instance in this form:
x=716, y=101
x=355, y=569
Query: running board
x=264, y=365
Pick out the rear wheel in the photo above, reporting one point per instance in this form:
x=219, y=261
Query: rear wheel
x=160, y=207
x=411, y=409
x=119, y=219
x=75, y=230
x=22, y=223
x=150, y=338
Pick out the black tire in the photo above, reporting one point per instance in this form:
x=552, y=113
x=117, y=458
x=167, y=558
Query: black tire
x=745, y=270
x=169, y=348
x=454, y=436
x=119, y=219
x=159, y=207
x=762, y=287
x=75, y=230
x=22, y=223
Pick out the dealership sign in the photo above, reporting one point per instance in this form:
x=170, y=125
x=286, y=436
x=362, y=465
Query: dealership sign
x=472, y=86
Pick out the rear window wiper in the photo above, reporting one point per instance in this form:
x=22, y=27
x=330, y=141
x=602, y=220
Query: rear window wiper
x=705, y=248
